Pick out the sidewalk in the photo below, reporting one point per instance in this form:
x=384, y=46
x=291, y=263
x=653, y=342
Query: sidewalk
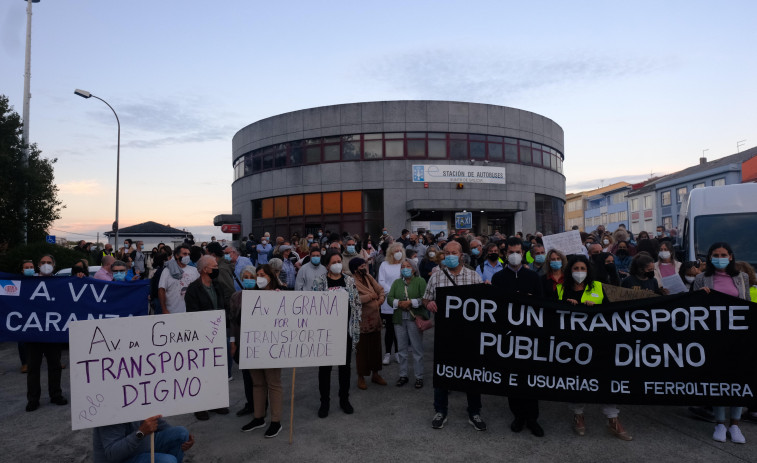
x=389, y=424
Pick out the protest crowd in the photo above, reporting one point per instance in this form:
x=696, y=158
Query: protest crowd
x=392, y=290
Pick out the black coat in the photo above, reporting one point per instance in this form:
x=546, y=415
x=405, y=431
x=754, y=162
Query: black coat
x=526, y=281
x=196, y=298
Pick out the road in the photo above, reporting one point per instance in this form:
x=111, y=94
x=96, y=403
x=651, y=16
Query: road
x=389, y=424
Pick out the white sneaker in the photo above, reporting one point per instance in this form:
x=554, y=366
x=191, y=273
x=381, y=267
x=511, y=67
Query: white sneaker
x=719, y=434
x=736, y=436
x=387, y=359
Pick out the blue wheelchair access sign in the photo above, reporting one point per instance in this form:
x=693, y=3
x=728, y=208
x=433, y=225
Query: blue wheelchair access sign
x=50, y=239
x=463, y=220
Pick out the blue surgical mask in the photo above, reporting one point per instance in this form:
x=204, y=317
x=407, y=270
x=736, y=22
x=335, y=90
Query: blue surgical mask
x=555, y=264
x=119, y=276
x=227, y=257
x=451, y=261
x=475, y=251
x=406, y=272
x=720, y=262
x=315, y=261
x=351, y=249
x=29, y=272
x=248, y=283
x=540, y=258
x=310, y=240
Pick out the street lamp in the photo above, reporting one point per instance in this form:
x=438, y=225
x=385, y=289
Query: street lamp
x=27, y=97
x=86, y=94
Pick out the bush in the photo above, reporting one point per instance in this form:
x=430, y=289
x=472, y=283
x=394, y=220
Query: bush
x=10, y=262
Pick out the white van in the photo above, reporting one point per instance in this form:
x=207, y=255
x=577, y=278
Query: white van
x=724, y=213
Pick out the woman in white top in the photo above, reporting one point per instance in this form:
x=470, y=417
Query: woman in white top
x=666, y=264
x=387, y=274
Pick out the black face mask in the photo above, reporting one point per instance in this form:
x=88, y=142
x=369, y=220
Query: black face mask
x=214, y=274
x=622, y=252
x=493, y=256
x=649, y=274
x=610, y=268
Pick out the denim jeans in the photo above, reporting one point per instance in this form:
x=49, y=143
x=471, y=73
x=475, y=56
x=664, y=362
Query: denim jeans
x=408, y=332
x=167, y=446
x=720, y=413
x=440, y=402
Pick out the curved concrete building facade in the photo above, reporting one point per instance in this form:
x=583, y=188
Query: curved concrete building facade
x=400, y=164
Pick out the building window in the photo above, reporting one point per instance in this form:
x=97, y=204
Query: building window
x=622, y=216
x=635, y=205
x=667, y=222
x=665, y=198
x=647, y=202
x=718, y=182
x=680, y=194
x=698, y=185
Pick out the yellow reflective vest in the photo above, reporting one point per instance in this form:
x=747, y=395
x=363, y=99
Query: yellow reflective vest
x=593, y=294
x=753, y=293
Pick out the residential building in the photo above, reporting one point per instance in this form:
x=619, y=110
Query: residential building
x=574, y=211
x=606, y=206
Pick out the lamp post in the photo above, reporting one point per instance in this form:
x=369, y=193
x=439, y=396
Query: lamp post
x=86, y=94
x=27, y=97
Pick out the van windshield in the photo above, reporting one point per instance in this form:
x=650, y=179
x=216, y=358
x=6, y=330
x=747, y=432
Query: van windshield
x=735, y=229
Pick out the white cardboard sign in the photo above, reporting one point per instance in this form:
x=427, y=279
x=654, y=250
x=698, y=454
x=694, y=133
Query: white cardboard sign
x=568, y=243
x=129, y=369
x=284, y=329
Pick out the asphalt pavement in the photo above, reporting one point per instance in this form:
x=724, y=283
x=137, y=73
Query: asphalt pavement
x=389, y=424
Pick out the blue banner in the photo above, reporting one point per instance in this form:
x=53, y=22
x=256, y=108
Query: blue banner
x=39, y=309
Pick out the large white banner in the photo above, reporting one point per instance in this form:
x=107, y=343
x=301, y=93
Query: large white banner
x=568, y=243
x=129, y=369
x=458, y=174
x=283, y=329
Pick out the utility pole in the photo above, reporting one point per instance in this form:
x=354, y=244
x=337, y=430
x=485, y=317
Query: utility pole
x=25, y=114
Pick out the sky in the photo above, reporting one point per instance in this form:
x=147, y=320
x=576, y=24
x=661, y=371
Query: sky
x=639, y=88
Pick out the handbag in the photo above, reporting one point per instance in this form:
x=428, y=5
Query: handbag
x=423, y=324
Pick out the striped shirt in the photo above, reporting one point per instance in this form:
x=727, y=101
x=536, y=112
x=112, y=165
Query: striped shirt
x=440, y=280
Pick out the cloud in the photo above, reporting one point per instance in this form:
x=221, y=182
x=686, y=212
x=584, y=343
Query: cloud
x=592, y=184
x=487, y=75
x=14, y=25
x=80, y=187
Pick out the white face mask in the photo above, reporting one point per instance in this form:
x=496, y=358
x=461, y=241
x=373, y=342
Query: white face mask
x=690, y=279
x=262, y=282
x=336, y=268
x=46, y=269
x=514, y=259
x=579, y=277
x=605, y=242
x=432, y=254
x=186, y=260
x=398, y=255
x=664, y=255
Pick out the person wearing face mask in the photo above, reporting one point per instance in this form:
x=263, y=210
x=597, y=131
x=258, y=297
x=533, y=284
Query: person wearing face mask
x=206, y=293
x=416, y=245
x=556, y=262
x=232, y=255
x=249, y=282
x=579, y=287
x=174, y=281
x=516, y=278
x=477, y=256
x=539, y=255
x=266, y=382
x=405, y=238
x=745, y=267
x=666, y=264
x=430, y=261
x=350, y=252
x=368, y=355
x=120, y=271
x=336, y=280
x=688, y=273
x=387, y=274
x=406, y=296
x=51, y=351
x=722, y=275
x=263, y=250
x=641, y=274
x=452, y=272
x=310, y=270
x=603, y=266
x=608, y=242
x=490, y=263
x=622, y=259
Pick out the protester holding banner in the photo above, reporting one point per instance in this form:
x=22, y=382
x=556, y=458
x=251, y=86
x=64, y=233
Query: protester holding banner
x=516, y=278
x=452, y=272
x=27, y=268
x=554, y=275
x=745, y=267
x=248, y=277
x=721, y=275
x=387, y=274
x=104, y=273
x=206, y=293
x=406, y=296
x=368, y=355
x=641, y=274
x=126, y=442
x=51, y=351
x=580, y=286
x=266, y=382
x=335, y=280
x=666, y=265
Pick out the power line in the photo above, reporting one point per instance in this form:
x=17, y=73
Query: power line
x=72, y=233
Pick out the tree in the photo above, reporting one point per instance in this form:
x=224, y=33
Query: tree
x=35, y=183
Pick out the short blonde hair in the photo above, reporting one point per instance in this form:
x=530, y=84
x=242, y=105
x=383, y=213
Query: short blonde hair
x=394, y=247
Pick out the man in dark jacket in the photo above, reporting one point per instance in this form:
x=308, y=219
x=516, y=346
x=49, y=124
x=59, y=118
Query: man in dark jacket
x=515, y=278
x=206, y=293
x=125, y=441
